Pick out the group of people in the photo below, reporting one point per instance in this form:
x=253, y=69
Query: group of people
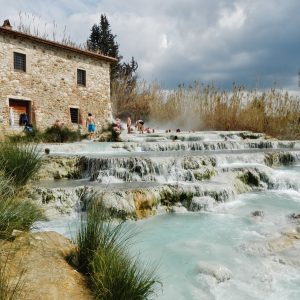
x=139, y=125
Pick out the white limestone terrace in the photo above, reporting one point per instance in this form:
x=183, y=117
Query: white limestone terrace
x=207, y=165
x=177, y=143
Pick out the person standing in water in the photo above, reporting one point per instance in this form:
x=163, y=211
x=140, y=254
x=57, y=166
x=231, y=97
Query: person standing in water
x=90, y=124
x=129, y=124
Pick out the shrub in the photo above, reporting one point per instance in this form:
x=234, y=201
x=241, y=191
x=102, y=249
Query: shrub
x=61, y=134
x=19, y=161
x=102, y=254
x=28, y=137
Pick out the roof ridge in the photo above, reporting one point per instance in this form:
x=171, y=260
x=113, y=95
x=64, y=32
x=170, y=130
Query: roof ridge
x=56, y=44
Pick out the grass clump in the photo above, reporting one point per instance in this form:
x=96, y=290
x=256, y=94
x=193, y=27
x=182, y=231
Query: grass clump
x=115, y=275
x=15, y=213
x=103, y=255
x=19, y=162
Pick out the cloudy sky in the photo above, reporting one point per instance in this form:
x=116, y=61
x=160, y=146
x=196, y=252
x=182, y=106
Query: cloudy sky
x=251, y=42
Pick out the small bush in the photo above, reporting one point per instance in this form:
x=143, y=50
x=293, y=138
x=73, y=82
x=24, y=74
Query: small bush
x=19, y=161
x=102, y=254
x=60, y=134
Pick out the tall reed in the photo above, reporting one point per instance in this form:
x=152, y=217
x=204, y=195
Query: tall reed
x=205, y=107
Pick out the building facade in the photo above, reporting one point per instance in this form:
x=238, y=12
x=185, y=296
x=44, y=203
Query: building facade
x=44, y=81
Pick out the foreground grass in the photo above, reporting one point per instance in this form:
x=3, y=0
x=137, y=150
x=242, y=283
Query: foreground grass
x=10, y=288
x=19, y=161
x=103, y=255
x=15, y=212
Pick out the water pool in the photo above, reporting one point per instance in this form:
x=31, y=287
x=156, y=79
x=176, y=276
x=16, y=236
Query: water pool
x=231, y=237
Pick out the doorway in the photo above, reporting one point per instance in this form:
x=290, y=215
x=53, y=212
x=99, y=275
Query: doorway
x=17, y=109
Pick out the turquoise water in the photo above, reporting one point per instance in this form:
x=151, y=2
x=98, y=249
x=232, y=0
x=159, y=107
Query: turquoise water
x=230, y=237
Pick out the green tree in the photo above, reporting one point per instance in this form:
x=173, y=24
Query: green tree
x=102, y=40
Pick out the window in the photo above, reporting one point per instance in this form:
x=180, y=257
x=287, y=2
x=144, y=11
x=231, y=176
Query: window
x=19, y=61
x=81, y=77
x=74, y=112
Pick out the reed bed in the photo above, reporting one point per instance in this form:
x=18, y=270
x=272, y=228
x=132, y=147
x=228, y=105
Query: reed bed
x=205, y=107
x=273, y=112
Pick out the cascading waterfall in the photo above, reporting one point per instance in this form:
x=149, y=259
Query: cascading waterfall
x=242, y=249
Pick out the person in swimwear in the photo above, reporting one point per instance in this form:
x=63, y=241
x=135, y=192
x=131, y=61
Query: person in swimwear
x=90, y=124
x=139, y=124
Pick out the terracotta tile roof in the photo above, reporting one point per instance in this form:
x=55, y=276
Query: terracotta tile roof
x=14, y=33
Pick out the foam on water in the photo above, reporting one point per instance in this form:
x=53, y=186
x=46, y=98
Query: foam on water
x=180, y=241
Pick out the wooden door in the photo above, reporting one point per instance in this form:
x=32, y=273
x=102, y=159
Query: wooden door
x=19, y=107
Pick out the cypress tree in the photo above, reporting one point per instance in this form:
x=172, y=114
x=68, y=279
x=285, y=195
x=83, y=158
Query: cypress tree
x=102, y=40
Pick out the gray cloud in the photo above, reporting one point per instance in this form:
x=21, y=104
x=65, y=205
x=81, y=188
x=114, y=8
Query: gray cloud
x=254, y=43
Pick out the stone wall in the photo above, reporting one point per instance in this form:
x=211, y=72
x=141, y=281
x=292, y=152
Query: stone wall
x=50, y=83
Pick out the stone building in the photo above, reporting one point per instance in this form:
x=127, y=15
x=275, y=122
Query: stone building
x=48, y=81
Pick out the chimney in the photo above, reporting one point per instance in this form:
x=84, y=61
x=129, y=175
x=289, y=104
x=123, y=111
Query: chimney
x=6, y=25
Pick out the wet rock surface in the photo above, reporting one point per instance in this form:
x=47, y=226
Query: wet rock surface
x=258, y=213
x=205, y=203
x=219, y=272
x=47, y=274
